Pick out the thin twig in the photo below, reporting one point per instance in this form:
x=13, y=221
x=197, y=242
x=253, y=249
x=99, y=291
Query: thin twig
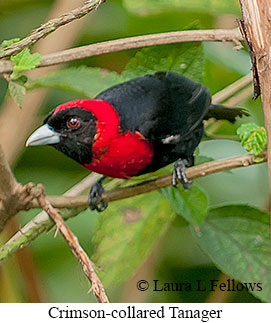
x=50, y=26
x=161, y=182
x=38, y=225
x=80, y=254
x=13, y=134
x=230, y=90
x=41, y=221
x=130, y=43
x=26, y=119
x=242, y=96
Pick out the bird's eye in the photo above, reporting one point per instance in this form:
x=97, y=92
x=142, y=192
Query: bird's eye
x=73, y=123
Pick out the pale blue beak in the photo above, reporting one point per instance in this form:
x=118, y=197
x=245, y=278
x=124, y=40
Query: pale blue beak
x=44, y=135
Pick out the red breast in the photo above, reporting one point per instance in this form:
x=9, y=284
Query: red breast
x=114, y=153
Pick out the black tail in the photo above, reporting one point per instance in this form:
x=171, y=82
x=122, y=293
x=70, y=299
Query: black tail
x=219, y=112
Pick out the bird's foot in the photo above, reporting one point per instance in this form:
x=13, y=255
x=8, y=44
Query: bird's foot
x=179, y=174
x=95, y=200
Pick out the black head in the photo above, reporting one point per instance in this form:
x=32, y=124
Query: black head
x=70, y=131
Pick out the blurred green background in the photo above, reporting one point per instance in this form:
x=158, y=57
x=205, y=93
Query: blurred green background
x=175, y=256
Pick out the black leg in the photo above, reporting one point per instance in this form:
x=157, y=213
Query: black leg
x=179, y=173
x=95, y=201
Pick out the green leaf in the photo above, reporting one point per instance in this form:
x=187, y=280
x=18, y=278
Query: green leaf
x=145, y=7
x=83, y=80
x=126, y=234
x=22, y=79
x=191, y=204
x=24, y=61
x=184, y=58
x=17, y=92
x=7, y=42
x=237, y=239
x=253, y=137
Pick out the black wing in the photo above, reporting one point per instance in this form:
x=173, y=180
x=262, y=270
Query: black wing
x=160, y=105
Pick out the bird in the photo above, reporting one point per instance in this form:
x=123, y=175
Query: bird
x=133, y=128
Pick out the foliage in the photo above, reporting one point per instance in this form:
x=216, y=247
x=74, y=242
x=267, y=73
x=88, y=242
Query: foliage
x=253, y=137
x=190, y=204
x=234, y=238
x=17, y=91
x=237, y=238
x=121, y=249
x=82, y=80
x=7, y=42
x=126, y=234
x=186, y=59
x=24, y=61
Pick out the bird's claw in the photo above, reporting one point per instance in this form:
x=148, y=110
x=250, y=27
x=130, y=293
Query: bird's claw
x=95, y=200
x=179, y=175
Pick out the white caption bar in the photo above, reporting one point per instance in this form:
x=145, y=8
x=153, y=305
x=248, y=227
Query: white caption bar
x=140, y=312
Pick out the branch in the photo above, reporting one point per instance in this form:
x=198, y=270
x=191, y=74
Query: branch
x=27, y=117
x=7, y=179
x=232, y=89
x=256, y=29
x=25, y=121
x=14, y=197
x=87, y=265
x=130, y=43
x=152, y=185
x=42, y=223
x=239, y=98
x=8, y=184
x=50, y=26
